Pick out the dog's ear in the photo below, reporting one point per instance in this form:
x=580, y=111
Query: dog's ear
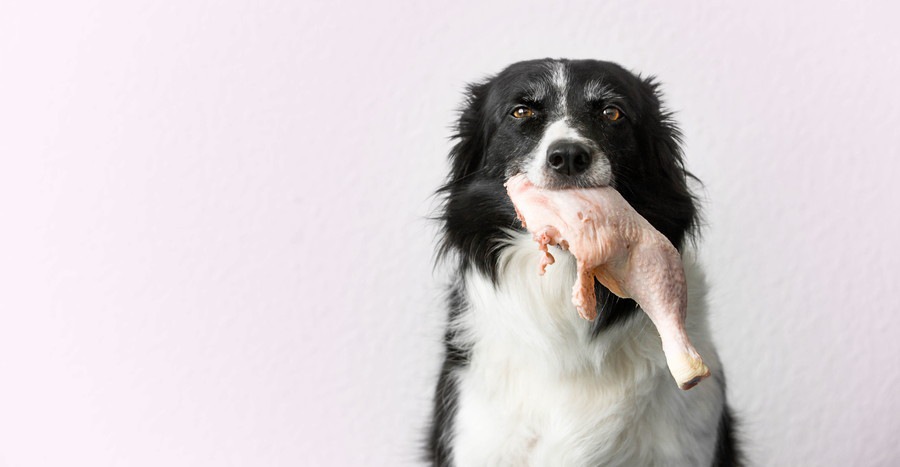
x=472, y=135
x=675, y=209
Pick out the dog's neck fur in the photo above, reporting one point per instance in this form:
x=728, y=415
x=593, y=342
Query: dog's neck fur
x=541, y=389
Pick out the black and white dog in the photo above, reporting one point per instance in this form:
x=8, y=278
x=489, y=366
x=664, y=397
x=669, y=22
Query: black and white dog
x=525, y=380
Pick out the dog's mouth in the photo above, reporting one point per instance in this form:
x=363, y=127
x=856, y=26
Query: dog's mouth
x=555, y=182
x=552, y=180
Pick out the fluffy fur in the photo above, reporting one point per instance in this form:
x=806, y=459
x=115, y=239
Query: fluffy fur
x=525, y=380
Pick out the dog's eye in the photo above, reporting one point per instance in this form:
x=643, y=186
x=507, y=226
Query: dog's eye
x=612, y=114
x=522, y=112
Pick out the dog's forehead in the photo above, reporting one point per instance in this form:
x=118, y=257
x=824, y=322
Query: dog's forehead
x=578, y=79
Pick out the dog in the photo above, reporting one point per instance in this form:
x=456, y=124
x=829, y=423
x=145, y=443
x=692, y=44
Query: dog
x=525, y=381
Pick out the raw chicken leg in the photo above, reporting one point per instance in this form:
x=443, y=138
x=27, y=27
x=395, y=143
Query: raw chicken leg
x=612, y=242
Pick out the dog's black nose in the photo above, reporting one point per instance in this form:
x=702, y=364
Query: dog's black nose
x=568, y=158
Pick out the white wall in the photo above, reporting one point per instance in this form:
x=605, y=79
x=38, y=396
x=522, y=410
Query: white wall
x=214, y=248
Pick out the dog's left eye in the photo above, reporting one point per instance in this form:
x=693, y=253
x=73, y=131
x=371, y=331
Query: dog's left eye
x=612, y=114
x=522, y=111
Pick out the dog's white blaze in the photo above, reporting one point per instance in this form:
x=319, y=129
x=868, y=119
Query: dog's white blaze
x=540, y=392
x=598, y=174
x=561, y=82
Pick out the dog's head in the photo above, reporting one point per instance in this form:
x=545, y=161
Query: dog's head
x=566, y=123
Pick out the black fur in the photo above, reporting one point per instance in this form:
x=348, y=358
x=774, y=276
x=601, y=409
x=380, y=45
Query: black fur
x=446, y=393
x=646, y=160
x=728, y=451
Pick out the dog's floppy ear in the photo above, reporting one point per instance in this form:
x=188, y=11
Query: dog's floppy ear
x=476, y=210
x=674, y=209
x=471, y=134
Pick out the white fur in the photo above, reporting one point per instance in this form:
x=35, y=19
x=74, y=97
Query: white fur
x=600, y=171
x=561, y=82
x=538, y=91
x=595, y=90
x=539, y=391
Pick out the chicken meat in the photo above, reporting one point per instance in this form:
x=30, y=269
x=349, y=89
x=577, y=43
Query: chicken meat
x=614, y=244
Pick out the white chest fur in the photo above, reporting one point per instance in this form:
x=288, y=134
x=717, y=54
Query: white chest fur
x=539, y=391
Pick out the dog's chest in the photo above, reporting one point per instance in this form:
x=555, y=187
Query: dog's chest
x=539, y=391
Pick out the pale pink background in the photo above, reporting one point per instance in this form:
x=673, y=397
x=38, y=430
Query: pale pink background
x=214, y=248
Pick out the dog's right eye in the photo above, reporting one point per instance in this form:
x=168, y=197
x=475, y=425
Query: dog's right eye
x=522, y=111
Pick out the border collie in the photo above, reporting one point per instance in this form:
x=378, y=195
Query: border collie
x=525, y=380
